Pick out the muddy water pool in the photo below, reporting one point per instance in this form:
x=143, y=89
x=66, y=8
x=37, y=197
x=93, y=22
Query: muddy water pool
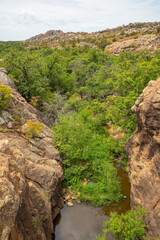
x=83, y=221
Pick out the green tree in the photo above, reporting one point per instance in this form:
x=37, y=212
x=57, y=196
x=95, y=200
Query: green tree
x=128, y=226
x=28, y=69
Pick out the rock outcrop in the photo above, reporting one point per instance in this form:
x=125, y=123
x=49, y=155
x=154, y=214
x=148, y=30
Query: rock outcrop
x=143, y=148
x=30, y=174
x=147, y=41
x=133, y=37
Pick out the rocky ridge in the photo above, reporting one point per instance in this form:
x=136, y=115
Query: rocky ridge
x=143, y=148
x=30, y=174
x=132, y=37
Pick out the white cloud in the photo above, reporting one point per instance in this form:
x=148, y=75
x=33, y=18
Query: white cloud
x=22, y=19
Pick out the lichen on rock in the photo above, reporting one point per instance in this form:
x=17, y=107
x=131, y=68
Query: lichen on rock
x=143, y=148
x=30, y=174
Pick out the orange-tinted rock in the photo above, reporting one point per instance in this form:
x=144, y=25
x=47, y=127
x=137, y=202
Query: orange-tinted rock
x=70, y=203
x=30, y=175
x=143, y=148
x=148, y=41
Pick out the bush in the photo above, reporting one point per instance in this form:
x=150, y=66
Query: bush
x=32, y=129
x=158, y=29
x=127, y=226
x=34, y=101
x=16, y=118
x=5, y=97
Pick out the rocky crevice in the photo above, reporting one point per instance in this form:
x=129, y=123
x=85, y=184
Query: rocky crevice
x=30, y=174
x=143, y=148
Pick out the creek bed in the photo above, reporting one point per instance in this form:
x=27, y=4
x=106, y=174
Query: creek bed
x=83, y=221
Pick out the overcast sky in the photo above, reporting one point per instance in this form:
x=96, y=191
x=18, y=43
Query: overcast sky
x=21, y=19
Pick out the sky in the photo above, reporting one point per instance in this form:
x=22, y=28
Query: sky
x=21, y=19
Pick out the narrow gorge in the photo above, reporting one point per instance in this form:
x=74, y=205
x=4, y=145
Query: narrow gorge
x=80, y=135
x=31, y=172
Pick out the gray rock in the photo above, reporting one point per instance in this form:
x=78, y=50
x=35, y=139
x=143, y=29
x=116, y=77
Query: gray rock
x=10, y=125
x=3, y=70
x=5, y=79
x=7, y=116
x=2, y=121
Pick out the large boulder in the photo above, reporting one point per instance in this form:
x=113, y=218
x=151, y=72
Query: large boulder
x=143, y=148
x=30, y=173
x=147, y=41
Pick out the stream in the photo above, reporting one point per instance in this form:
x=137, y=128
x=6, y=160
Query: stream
x=83, y=221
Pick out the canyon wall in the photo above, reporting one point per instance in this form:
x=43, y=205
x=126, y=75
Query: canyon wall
x=143, y=148
x=30, y=173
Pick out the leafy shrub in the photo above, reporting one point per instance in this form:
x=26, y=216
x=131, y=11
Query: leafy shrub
x=103, y=43
x=133, y=33
x=158, y=29
x=114, y=39
x=32, y=129
x=5, y=97
x=34, y=101
x=127, y=226
x=16, y=118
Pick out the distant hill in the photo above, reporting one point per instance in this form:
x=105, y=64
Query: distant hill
x=134, y=36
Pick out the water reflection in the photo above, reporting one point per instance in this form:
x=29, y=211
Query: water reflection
x=79, y=222
x=83, y=221
x=124, y=204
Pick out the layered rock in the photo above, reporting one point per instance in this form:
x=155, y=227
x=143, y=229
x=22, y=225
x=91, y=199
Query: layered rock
x=30, y=174
x=143, y=148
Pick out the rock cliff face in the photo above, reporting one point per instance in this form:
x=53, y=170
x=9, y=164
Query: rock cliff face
x=144, y=151
x=30, y=174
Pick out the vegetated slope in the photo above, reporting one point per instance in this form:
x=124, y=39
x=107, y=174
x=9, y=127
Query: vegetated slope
x=143, y=148
x=134, y=36
x=82, y=91
x=30, y=173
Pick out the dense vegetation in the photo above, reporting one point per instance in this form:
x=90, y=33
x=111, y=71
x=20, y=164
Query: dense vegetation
x=128, y=226
x=80, y=90
x=5, y=97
